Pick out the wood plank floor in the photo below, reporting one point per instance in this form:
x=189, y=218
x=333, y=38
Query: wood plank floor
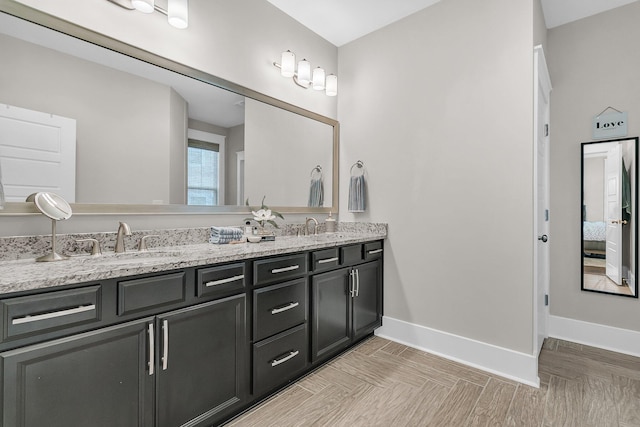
x=382, y=383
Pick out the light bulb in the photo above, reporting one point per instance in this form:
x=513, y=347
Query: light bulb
x=178, y=13
x=318, y=78
x=304, y=72
x=144, y=6
x=288, y=64
x=332, y=85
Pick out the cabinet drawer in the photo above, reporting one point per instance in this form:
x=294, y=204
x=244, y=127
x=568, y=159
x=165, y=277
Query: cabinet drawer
x=372, y=250
x=279, y=307
x=278, y=359
x=279, y=268
x=151, y=292
x=350, y=254
x=35, y=314
x=220, y=280
x=326, y=259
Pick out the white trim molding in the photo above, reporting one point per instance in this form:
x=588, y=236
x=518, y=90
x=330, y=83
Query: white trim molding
x=501, y=361
x=595, y=335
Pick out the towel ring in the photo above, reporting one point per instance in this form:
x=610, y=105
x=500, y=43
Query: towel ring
x=359, y=164
x=318, y=169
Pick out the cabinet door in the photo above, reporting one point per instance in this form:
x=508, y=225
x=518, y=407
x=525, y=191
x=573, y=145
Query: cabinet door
x=202, y=363
x=367, y=301
x=96, y=379
x=331, y=318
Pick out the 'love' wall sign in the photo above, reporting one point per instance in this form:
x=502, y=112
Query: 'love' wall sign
x=610, y=125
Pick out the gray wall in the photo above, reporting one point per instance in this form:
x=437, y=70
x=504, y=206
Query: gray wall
x=539, y=26
x=593, y=64
x=235, y=143
x=281, y=149
x=439, y=107
x=117, y=125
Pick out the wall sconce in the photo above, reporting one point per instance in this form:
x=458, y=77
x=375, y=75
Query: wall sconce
x=177, y=11
x=304, y=77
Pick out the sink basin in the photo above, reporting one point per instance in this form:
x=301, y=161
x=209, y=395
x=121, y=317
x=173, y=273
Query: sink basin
x=129, y=258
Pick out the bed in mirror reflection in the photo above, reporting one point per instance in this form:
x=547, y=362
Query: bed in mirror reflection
x=609, y=217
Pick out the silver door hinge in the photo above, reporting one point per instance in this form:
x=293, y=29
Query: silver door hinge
x=546, y=299
x=546, y=129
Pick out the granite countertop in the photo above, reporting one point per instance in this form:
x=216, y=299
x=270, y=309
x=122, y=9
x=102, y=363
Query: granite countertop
x=26, y=274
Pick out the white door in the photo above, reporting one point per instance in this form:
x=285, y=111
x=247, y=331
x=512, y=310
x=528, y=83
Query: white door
x=613, y=198
x=542, y=90
x=37, y=153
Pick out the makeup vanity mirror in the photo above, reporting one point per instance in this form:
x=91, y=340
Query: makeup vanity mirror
x=121, y=130
x=610, y=217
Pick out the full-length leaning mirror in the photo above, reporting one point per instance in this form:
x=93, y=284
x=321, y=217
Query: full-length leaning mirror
x=610, y=217
x=112, y=133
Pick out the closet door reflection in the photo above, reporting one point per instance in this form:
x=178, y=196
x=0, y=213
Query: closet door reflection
x=609, y=217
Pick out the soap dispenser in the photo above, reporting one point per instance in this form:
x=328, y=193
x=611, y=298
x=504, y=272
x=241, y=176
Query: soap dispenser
x=330, y=224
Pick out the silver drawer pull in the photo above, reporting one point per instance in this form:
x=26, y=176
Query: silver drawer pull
x=152, y=346
x=165, y=344
x=285, y=308
x=375, y=251
x=324, y=261
x=223, y=281
x=289, y=356
x=53, y=314
x=282, y=270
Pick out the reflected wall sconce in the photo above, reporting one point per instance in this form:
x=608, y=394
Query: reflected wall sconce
x=177, y=11
x=304, y=77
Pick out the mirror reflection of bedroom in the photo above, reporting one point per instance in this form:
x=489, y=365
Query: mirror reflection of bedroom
x=609, y=217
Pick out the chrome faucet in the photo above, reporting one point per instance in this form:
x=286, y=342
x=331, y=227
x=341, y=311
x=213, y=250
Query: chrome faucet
x=315, y=228
x=123, y=230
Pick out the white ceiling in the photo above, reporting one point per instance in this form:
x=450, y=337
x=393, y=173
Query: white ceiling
x=341, y=21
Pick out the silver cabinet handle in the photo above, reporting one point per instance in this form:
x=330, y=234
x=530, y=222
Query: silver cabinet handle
x=165, y=344
x=324, y=261
x=375, y=251
x=357, y=282
x=289, y=356
x=285, y=308
x=352, y=283
x=282, y=270
x=152, y=351
x=53, y=314
x=223, y=281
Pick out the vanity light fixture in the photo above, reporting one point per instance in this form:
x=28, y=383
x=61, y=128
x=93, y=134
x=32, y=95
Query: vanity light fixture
x=177, y=11
x=303, y=76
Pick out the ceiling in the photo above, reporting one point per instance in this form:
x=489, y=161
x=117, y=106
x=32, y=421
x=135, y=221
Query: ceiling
x=341, y=21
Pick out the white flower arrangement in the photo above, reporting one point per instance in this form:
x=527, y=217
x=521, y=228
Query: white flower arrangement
x=264, y=214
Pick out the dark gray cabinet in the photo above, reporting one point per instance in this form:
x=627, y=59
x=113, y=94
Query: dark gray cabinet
x=189, y=347
x=202, y=363
x=346, y=305
x=330, y=313
x=98, y=379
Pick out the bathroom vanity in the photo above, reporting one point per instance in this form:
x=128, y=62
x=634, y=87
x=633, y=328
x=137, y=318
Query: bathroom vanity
x=186, y=336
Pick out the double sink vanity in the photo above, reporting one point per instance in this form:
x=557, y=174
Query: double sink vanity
x=187, y=335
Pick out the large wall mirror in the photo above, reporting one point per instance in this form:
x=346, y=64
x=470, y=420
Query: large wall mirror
x=610, y=217
x=120, y=130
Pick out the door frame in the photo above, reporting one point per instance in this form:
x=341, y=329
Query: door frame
x=542, y=82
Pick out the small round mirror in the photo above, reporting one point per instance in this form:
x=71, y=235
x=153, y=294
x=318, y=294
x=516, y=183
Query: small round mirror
x=51, y=205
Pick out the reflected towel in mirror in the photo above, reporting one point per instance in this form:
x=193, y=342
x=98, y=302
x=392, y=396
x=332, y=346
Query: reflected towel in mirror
x=316, y=193
x=357, y=194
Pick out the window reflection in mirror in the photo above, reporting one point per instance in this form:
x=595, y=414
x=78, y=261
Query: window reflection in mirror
x=610, y=217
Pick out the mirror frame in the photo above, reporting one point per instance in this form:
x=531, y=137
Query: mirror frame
x=27, y=13
x=634, y=214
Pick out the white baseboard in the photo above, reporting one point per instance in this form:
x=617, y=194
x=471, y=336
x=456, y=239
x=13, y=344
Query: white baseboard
x=506, y=363
x=593, y=334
